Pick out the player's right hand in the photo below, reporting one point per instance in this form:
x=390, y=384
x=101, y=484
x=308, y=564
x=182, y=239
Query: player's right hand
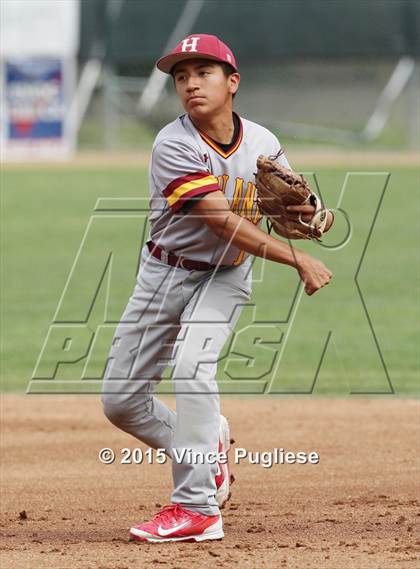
x=313, y=273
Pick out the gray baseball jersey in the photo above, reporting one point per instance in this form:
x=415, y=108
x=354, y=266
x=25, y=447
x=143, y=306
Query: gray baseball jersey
x=186, y=164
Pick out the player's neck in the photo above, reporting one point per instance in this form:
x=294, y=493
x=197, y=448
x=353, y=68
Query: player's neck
x=219, y=127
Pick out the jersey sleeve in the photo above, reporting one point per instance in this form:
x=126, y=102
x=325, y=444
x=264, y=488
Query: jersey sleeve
x=180, y=173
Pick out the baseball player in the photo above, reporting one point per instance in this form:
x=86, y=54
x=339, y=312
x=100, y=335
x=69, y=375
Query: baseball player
x=194, y=278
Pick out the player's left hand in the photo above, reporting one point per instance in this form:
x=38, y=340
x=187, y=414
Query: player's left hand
x=307, y=211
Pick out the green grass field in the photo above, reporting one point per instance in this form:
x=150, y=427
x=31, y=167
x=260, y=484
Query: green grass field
x=331, y=343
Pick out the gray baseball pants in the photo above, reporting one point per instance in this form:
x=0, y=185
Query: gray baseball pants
x=181, y=317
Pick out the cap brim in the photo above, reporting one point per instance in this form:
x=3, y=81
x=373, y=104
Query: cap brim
x=167, y=62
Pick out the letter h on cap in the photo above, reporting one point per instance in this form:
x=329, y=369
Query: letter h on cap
x=190, y=43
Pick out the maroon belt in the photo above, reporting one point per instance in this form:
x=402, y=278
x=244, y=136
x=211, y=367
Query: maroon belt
x=180, y=262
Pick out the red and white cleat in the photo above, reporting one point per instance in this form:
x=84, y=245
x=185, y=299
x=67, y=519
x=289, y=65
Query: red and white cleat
x=224, y=478
x=174, y=523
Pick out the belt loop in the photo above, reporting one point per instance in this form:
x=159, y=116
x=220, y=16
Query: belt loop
x=164, y=256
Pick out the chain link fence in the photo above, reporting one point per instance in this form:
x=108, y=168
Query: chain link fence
x=303, y=102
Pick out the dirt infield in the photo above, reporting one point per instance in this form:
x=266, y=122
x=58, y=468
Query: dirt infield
x=357, y=508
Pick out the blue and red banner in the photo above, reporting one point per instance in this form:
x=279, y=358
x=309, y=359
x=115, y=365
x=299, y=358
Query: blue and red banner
x=35, y=97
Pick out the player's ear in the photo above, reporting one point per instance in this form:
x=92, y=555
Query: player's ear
x=234, y=81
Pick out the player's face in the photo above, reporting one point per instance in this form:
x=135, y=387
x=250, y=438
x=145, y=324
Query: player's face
x=203, y=87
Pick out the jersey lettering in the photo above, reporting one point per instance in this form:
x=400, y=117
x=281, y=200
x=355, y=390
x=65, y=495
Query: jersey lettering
x=245, y=205
x=237, y=195
x=223, y=180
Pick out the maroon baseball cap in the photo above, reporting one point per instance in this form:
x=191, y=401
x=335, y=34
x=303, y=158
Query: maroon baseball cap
x=197, y=46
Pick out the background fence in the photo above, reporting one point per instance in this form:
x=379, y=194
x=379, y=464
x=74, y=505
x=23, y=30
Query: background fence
x=312, y=71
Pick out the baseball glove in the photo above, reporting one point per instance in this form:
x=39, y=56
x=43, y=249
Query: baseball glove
x=277, y=188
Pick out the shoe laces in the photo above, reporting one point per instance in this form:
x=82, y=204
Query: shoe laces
x=168, y=513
